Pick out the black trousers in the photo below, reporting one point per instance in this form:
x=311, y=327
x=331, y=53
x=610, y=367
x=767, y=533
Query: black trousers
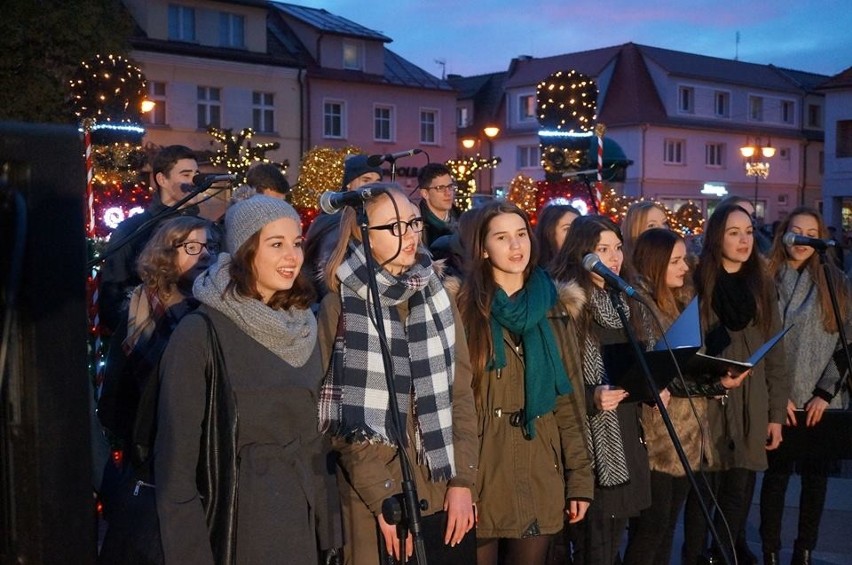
x=651, y=533
x=596, y=539
x=733, y=489
x=811, y=501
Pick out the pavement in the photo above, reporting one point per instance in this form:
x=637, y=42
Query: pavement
x=835, y=534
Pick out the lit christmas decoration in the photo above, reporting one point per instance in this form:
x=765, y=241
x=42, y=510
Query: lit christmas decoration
x=321, y=171
x=567, y=102
x=464, y=171
x=562, y=191
x=238, y=153
x=523, y=192
x=688, y=220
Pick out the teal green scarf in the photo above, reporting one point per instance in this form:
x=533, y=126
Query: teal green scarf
x=525, y=314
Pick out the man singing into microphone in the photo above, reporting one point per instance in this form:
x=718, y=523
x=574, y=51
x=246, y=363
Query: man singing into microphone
x=324, y=230
x=173, y=166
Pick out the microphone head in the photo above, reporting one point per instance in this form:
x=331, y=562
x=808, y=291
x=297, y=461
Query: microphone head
x=187, y=188
x=375, y=160
x=416, y=151
x=789, y=239
x=590, y=260
x=325, y=203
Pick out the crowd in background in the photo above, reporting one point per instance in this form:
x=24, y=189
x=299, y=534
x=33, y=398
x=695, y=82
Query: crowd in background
x=262, y=422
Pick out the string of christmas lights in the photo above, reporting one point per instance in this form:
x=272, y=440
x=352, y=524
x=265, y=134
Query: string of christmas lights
x=464, y=170
x=237, y=152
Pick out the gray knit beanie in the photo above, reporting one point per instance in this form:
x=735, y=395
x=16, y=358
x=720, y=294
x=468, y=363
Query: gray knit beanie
x=247, y=217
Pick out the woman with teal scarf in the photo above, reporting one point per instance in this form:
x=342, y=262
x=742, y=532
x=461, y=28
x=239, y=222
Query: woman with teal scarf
x=525, y=374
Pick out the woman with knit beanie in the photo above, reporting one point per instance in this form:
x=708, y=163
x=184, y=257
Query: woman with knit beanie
x=431, y=374
x=614, y=441
x=805, y=304
x=241, y=468
x=534, y=469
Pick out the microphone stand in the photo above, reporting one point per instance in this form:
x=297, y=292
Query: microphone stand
x=832, y=292
x=406, y=518
x=615, y=298
x=162, y=215
x=392, y=160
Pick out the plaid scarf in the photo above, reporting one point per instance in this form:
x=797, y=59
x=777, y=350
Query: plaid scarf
x=603, y=434
x=421, y=348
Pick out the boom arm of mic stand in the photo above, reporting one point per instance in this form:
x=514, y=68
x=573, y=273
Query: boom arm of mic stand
x=832, y=292
x=649, y=379
x=411, y=511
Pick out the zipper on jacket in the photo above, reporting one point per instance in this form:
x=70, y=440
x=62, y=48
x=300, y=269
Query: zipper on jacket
x=140, y=484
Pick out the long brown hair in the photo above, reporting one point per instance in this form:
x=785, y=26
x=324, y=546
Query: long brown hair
x=351, y=231
x=779, y=255
x=710, y=266
x=651, y=258
x=634, y=222
x=545, y=230
x=478, y=289
x=157, y=263
x=244, y=280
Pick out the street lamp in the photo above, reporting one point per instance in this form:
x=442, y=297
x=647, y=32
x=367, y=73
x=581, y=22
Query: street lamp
x=756, y=158
x=491, y=132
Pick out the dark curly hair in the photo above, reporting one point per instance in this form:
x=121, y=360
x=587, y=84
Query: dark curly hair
x=157, y=263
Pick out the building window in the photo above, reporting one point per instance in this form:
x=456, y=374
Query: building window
x=788, y=108
x=428, y=126
x=232, y=30
x=722, y=104
x=686, y=100
x=528, y=157
x=209, y=107
x=181, y=23
x=263, y=111
x=673, y=152
x=844, y=139
x=333, y=120
x=462, y=117
x=526, y=108
x=353, y=56
x=755, y=108
x=157, y=95
x=383, y=123
x=814, y=116
x=714, y=154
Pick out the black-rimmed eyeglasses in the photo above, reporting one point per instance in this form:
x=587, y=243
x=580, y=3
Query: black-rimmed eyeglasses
x=401, y=227
x=195, y=247
x=445, y=188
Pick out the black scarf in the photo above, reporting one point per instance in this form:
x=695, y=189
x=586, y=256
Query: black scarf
x=733, y=300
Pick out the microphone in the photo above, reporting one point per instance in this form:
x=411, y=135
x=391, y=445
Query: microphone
x=206, y=181
x=790, y=239
x=333, y=202
x=592, y=263
x=376, y=160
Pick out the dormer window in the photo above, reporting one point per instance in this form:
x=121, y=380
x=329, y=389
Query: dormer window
x=181, y=23
x=353, y=55
x=232, y=30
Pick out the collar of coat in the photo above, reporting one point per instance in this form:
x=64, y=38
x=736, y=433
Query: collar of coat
x=572, y=299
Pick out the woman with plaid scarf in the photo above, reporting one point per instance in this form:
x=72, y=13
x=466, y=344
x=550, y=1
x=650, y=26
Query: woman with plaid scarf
x=431, y=374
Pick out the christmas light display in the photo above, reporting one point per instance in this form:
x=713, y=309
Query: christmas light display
x=321, y=171
x=464, y=170
x=688, y=220
x=238, y=153
x=523, y=191
x=567, y=101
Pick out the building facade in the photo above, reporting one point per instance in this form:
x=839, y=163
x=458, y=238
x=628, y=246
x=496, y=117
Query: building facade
x=837, y=181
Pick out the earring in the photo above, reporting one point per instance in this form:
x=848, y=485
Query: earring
x=485, y=255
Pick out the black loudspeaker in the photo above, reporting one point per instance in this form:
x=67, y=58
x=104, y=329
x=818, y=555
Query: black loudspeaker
x=47, y=510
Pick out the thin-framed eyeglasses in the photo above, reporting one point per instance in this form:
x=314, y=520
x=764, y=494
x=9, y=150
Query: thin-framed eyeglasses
x=445, y=188
x=195, y=247
x=401, y=227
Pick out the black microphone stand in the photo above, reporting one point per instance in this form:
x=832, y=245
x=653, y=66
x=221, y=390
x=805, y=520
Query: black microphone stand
x=407, y=517
x=392, y=160
x=832, y=292
x=615, y=298
x=162, y=215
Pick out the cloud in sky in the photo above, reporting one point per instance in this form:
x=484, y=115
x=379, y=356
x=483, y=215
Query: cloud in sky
x=479, y=36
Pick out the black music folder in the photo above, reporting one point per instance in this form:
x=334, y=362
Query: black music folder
x=685, y=339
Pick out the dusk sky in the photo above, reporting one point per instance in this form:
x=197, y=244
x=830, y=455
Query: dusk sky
x=479, y=36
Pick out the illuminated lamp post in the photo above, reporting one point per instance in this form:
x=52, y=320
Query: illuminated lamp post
x=757, y=157
x=491, y=132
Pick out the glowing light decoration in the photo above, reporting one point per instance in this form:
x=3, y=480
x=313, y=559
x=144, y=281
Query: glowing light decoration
x=321, y=171
x=688, y=220
x=523, y=191
x=561, y=191
x=567, y=101
x=237, y=152
x=108, y=89
x=464, y=171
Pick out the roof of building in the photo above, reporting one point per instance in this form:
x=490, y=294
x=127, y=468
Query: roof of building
x=842, y=80
x=325, y=21
x=524, y=71
x=640, y=103
x=486, y=92
x=400, y=71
